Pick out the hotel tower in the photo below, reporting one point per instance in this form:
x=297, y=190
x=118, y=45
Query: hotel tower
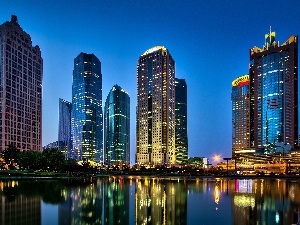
x=87, y=121
x=155, y=114
x=274, y=93
x=21, y=72
x=240, y=99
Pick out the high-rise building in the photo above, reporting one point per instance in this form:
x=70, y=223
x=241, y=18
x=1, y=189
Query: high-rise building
x=155, y=119
x=87, y=120
x=181, y=136
x=117, y=127
x=64, y=127
x=240, y=99
x=21, y=71
x=274, y=93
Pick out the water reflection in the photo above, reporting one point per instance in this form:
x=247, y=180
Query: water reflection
x=16, y=207
x=147, y=201
x=160, y=202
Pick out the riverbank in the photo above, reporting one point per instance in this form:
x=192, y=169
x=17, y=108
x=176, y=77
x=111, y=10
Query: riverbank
x=16, y=174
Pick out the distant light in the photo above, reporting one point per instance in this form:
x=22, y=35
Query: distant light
x=156, y=48
x=277, y=217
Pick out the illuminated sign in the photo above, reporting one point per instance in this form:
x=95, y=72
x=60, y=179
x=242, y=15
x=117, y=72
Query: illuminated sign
x=242, y=80
x=154, y=49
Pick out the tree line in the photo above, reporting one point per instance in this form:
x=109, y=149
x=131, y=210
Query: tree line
x=50, y=159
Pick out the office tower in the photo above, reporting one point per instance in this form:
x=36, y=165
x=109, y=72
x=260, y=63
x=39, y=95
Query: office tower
x=54, y=144
x=87, y=121
x=21, y=71
x=181, y=137
x=274, y=93
x=240, y=99
x=117, y=127
x=155, y=119
x=64, y=127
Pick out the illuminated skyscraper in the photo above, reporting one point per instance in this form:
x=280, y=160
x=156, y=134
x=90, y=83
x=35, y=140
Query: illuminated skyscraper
x=155, y=125
x=64, y=127
x=240, y=98
x=21, y=72
x=117, y=126
x=181, y=141
x=274, y=93
x=87, y=121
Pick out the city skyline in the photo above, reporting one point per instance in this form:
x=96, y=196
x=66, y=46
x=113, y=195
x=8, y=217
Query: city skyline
x=210, y=43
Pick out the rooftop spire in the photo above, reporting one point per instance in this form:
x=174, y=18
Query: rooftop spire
x=14, y=19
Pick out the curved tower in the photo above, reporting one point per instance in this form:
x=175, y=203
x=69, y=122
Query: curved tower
x=274, y=93
x=117, y=127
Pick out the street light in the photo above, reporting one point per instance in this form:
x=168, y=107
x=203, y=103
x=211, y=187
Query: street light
x=217, y=158
x=227, y=159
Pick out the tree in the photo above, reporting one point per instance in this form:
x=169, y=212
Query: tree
x=11, y=153
x=53, y=159
x=30, y=159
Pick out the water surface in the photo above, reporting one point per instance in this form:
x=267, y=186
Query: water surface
x=150, y=201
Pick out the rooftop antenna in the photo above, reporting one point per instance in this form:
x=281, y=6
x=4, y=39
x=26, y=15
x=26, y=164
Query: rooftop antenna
x=270, y=34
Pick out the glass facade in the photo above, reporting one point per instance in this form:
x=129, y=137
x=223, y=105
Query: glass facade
x=64, y=127
x=240, y=99
x=155, y=114
x=274, y=94
x=87, y=120
x=181, y=135
x=117, y=127
x=21, y=72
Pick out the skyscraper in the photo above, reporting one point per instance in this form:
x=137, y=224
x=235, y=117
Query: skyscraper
x=64, y=127
x=117, y=127
x=21, y=72
x=87, y=121
x=155, y=119
x=181, y=136
x=240, y=98
x=274, y=93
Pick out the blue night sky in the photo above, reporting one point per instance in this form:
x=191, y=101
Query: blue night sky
x=209, y=41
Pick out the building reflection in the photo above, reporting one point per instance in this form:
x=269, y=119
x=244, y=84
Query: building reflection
x=116, y=201
x=145, y=201
x=160, y=202
x=16, y=208
x=83, y=205
x=264, y=201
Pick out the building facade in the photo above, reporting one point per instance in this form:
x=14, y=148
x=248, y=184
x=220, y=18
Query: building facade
x=274, y=93
x=155, y=114
x=240, y=99
x=54, y=144
x=181, y=135
x=117, y=127
x=21, y=72
x=64, y=127
x=87, y=120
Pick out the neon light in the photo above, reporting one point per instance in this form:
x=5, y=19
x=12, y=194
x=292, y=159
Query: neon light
x=242, y=80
